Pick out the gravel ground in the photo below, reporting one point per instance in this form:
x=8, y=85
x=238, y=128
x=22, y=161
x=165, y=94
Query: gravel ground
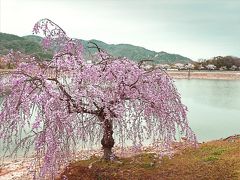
x=18, y=169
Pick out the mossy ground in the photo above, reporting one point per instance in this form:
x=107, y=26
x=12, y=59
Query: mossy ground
x=213, y=160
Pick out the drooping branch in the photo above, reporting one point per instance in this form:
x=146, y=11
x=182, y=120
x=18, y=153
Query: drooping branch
x=83, y=102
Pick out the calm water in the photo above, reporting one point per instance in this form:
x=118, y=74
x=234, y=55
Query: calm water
x=213, y=105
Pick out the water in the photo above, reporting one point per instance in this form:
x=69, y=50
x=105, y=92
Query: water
x=214, y=107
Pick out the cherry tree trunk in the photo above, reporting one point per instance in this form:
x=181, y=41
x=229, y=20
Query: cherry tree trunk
x=107, y=140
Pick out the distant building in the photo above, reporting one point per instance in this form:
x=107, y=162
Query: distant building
x=211, y=67
x=165, y=66
x=179, y=66
x=234, y=68
x=201, y=67
x=189, y=66
x=223, y=68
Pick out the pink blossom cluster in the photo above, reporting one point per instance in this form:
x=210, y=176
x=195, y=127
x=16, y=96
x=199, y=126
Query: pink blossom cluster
x=53, y=106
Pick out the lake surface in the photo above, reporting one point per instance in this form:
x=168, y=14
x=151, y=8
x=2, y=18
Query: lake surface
x=213, y=105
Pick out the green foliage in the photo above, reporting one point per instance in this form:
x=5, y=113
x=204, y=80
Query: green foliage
x=137, y=53
x=9, y=37
x=212, y=160
x=220, y=61
x=29, y=45
x=33, y=38
x=219, y=151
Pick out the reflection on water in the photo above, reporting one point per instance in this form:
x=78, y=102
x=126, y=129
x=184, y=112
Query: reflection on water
x=214, y=107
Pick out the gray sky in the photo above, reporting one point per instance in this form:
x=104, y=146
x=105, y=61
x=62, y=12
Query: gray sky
x=193, y=28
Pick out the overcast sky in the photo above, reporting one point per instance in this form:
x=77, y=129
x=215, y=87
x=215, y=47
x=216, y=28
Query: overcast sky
x=193, y=28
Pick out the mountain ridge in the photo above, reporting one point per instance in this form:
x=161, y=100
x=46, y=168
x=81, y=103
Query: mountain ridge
x=138, y=53
x=30, y=44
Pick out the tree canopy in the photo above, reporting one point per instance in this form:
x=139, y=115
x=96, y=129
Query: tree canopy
x=54, y=105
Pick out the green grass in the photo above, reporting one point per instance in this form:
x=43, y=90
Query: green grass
x=212, y=160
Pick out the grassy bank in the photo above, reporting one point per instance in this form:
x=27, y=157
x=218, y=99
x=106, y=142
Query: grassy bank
x=213, y=160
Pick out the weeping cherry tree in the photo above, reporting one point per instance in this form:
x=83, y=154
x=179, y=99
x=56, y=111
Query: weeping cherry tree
x=54, y=105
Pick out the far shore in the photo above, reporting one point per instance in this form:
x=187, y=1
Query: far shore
x=218, y=75
x=184, y=74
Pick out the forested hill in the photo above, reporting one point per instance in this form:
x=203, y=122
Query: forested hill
x=22, y=44
x=139, y=53
x=31, y=45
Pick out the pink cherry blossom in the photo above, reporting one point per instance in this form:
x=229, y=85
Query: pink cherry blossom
x=55, y=105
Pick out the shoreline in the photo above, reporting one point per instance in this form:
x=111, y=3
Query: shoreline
x=183, y=74
x=214, y=75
